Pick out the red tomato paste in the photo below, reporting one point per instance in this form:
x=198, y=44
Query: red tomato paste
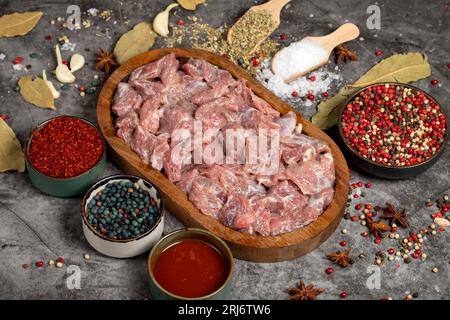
x=190, y=268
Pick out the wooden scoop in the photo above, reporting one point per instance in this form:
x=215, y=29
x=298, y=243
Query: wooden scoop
x=274, y=8
x=344, y=33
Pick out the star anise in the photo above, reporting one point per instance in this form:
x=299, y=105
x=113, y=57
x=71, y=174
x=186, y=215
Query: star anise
x=304, y=292
x=342, y=54
x=341, y=258
x=397, y=216
x=105, y=61
x=376, y=227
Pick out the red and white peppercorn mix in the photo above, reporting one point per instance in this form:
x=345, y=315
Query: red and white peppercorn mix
x=394, y=125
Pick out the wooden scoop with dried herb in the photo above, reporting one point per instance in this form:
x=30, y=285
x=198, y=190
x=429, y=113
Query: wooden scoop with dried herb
x=255, y=26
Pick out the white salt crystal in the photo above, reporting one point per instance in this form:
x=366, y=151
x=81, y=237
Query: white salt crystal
x=2, y=56
x=303, y=86
x=298, y=58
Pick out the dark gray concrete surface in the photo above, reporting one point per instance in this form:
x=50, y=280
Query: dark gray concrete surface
x=34, y=226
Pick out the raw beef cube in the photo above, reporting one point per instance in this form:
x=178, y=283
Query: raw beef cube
x=254, y=119
x=126, y=99
x=312, y=176
x=287, y=124
x=213, y=115
x=194, y=87
x=169, y=68
x=177, y=159
x=271, y=180
x=209, y=95
x=150, y=148
x=237, y=212
x=177, y=116
x=289, y=195
x=256, y=102
x=187, y=178
x=219, y=78
x=149, y=115
x=148, y=89
x=126, y=124
x=198, y=68
x=321, y=200
x=159, y=68
x=207, y=196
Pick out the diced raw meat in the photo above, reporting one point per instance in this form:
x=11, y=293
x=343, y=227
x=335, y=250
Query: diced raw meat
x=198, y=68
x=149, y=115
x=148, y=89
x=213, y=116
x=161, y=68
x=321, y=200
x=289, y=195
x=126, y=99
x=126, y=124
x=176, y=159
x=194, y=87
x=256, y=102
x=207, y=196
x=271, y=180
x=179, y=116
x=237, y=212
x=150, y=148
x=209, y=95
x=230, y=182
x=187, y=178
x=219, y=78
x=230, y=185
x=287, y=124
x=312, y=176
x=253, y=119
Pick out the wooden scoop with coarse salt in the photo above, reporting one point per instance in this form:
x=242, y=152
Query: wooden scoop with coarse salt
x=308, y=54
x=252, y=29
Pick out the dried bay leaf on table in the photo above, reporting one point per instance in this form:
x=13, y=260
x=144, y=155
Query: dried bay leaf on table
x=188, y=4
x=136, y=41
x=402, y=68
x=18, y=24
x=11, y=153
x=37, y=92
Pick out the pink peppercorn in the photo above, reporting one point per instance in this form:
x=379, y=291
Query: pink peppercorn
x=312, y=78
x=343, y=243
x=434, y=82
x=343, y=294
x=294, y=93
x=329, y=270
x=283, y=36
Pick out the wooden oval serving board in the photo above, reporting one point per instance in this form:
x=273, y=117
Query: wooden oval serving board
x=247, y=247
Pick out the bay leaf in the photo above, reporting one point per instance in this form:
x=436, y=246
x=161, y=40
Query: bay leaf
x=37, y=92
x=136, y=41
x=188, y=4
x=18, y=24
x=402, y=68
x=11, y=153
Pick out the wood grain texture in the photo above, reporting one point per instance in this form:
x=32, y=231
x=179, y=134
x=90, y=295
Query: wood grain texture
x=247, y=247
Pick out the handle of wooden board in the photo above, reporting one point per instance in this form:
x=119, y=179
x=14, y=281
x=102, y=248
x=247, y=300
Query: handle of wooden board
x=344, y=33
x=274, y=5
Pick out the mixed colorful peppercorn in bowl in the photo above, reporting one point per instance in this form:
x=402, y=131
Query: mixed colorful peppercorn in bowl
x=393, y=130
x=65, y=155
x=122, y=216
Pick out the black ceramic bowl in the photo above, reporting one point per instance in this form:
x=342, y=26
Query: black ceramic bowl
x=384, y=171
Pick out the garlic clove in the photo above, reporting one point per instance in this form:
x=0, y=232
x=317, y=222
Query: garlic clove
x=77, y=62
x=55, y=93
x=161, y=21
x=63, y=74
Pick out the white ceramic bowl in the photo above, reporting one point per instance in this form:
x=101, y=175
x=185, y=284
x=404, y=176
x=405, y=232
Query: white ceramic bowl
x=123, y=248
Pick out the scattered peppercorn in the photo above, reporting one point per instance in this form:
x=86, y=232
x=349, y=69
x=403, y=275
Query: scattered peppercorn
x=329, y=270
x=39, y=264
x=283, y=36
x=434, y=82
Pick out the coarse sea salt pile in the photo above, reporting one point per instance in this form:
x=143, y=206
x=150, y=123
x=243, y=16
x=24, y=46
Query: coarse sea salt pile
x=303, y=86
x=297, y=58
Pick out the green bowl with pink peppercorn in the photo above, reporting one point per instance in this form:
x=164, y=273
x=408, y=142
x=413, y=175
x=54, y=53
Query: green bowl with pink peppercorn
x=392, y=130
